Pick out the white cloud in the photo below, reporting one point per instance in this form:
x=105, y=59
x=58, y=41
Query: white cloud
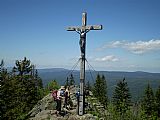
x=138, y=47
x=109, y=58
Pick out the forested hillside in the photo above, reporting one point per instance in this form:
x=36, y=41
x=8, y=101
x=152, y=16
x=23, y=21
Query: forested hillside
x=20, y=89
x=120, y=94
x=137, y=81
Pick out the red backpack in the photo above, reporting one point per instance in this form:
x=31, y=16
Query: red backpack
x=54, y=94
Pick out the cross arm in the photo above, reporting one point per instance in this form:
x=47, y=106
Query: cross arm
x=94, y=27
x=88, y=27
x=73, y=28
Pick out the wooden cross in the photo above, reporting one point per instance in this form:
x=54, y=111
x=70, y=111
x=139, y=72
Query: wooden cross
x=84, y=26
x=82, y=30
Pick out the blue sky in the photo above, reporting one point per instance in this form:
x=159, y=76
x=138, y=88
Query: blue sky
x=129, y=41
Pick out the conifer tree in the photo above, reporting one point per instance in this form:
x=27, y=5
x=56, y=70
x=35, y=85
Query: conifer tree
x=6, y=92
x=19, y=90
x=67, y=83
x=157, y=98
x=100, y=90
x=12, y=98
x=104, y=98
x=23, y=66
x=38, y=80
x=122, y=97
x=38, y=85
x=53, y=85
x=72, y=82
x=25, y=94
x=2, y=90
x=26, y=91
x=88, y=86
x=97, y=86
x=1, y=64
x=148, y=101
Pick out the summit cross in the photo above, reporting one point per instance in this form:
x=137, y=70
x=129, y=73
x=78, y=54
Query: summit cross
x=82, y=30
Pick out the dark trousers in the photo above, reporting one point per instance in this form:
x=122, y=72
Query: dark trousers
x=58, y=107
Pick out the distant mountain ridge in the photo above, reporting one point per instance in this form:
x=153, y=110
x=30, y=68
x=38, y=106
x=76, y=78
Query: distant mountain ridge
x=52, y=70
x=137, y=81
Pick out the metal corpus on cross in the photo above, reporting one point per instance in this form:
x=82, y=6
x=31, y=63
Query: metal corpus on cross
x=82, y=30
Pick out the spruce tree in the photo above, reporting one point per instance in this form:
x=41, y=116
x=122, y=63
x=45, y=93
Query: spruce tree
x=157, y=99
x=97, y=87
x=18, y=91
x=23, y=66
x=26, y=85
x=100, y=90
x=67, y=83
x=148, y=101
x=25, y=89
x=104, y=98
x=6, y=94
x=2, y=91
x=38, y=85
x=72, y=82
x=121, y=97
x=88, y=86
x=53, y=85
x=12, y=98
x=1, y=64
x=38, y=80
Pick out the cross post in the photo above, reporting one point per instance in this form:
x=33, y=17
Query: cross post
x=82, y=30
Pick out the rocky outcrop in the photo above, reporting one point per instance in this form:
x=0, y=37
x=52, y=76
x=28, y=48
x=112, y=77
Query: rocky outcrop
x=45, y=109
x=45, y=105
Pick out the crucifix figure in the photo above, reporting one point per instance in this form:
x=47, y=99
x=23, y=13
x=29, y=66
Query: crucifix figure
x=82, y=30
x=82, y=43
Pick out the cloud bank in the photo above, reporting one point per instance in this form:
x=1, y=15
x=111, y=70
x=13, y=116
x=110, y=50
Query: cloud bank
x=109, y=58
x=138, y=47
